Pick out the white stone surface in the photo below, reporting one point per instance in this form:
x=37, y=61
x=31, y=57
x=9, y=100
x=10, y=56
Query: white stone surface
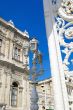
x=60, y=92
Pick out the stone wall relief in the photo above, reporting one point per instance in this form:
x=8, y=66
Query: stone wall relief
x=65, y=31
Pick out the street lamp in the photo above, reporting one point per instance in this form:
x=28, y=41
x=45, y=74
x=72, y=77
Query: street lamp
x=33, y=45
x=35, y=72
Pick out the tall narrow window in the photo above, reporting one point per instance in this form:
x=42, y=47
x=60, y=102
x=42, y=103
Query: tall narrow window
x=17, y=53
x=14, y=94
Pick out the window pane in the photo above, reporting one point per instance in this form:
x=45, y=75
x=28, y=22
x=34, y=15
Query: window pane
x=14, y=96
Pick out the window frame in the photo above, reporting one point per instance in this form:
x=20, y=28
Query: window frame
x=14, y=95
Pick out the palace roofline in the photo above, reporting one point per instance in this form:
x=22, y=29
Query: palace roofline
x=10, y=25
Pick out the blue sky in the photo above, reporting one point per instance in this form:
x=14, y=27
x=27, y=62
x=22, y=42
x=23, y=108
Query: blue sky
x=28, y=15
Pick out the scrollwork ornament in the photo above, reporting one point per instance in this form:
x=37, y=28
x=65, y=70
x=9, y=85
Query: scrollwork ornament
x=67, y=6
x=69, y=33
x=65, y=31
x=66, y=10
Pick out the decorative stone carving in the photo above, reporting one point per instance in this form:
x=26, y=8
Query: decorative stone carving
x=65, y=31
x=66, y=10
x=69, y=33
x=67, y=6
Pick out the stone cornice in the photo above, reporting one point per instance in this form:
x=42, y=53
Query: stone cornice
x=13, y=67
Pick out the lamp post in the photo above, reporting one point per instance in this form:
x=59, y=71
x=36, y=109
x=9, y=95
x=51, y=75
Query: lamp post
x=35, y=72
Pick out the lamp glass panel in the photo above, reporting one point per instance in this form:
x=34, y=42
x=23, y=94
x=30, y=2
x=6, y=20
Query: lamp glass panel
x=33, y=46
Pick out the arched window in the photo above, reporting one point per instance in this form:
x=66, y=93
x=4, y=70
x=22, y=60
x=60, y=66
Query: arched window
x=14, y=94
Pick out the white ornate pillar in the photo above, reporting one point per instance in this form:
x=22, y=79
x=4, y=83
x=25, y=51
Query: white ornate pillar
x=59, y=87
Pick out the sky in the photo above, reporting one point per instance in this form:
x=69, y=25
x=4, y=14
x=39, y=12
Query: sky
x=29, y=15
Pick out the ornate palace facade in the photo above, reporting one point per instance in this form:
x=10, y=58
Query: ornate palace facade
x=14, y=86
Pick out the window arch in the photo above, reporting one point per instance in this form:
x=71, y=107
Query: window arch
x=14, y=94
